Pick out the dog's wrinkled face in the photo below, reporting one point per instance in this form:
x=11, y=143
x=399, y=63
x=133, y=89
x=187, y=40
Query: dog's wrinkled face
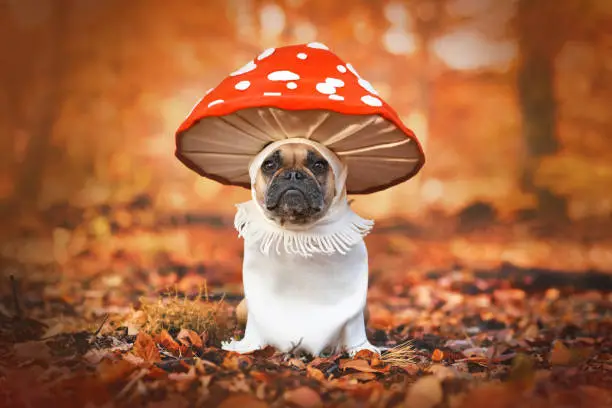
x=295, y=185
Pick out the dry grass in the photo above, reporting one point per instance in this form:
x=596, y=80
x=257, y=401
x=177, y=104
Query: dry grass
x=173, y=312
x=400, y=355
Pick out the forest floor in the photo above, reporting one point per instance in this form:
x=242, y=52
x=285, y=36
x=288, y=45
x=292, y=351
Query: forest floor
x=127, y=307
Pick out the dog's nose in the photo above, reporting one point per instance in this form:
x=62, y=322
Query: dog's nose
x=294, y=175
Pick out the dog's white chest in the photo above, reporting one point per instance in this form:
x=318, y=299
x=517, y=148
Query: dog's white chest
x=307, y=301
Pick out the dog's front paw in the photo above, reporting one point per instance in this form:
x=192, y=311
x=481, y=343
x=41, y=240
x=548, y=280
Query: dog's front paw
x=240, y=346
x=365, y=346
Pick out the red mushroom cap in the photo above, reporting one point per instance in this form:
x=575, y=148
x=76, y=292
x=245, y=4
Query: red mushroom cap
x=301, y=91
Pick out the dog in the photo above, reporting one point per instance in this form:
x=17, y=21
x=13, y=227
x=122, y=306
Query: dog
x=305, y=270
x=295, y=185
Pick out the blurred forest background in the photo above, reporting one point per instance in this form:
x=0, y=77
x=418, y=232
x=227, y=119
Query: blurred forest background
x=511, y=100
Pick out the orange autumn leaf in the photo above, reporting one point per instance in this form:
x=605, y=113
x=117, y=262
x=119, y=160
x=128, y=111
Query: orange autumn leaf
x=560, y=354
x=360, y=365
x=235, y=361
x=437, y=356
x=189, y=338
x=361, y=376
x=563, y=355
x=364, y=354
x=145, y=348
x=315, y=373
x=377, y=362
x=166, y=340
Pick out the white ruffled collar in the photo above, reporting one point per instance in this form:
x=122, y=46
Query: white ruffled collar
x=335, y=233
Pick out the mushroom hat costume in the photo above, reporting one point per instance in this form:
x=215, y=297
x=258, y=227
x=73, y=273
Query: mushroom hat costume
x=303, y=284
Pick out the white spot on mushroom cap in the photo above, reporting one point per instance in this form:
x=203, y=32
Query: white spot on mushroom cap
x=335, y=97
x=242, y=85
x=325, y=88
x=266, y=53
x=213, y=103
x=283, y=76
x=353, y=70
x=367, y=86
x=302, y=55
x=247, y=68
x=291, y=85
x=341, y=68
x=371, y=100
x=335, y=82
x=272, y=94
x=317, y=45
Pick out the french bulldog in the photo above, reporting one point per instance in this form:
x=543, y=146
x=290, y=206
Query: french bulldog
x=312, y=300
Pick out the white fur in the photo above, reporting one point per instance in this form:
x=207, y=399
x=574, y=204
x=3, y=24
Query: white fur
x=312, y=299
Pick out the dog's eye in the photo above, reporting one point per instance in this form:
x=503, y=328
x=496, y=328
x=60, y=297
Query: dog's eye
x=319, y=166
x=269, y=165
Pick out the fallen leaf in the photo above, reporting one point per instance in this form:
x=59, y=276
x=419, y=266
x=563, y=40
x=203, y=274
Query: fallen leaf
x=166, y=340
x=560, y=354
x=364, y=354
x=360, y=365
x=189, y=338
x=297, y=363
x=426, y=392
x=320, y=361
x=437, y=356
x=235, y=361
x=315, y=373
x=304, y=397
x=361, y=376
x=145, y=348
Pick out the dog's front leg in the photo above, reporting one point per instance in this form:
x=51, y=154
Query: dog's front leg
x=252, y=340
x=354, y=337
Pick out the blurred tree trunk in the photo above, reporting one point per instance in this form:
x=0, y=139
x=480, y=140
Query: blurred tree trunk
x=536, y=90
x=31, y=174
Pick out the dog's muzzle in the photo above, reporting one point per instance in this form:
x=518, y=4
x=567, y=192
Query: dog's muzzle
x=294, y=191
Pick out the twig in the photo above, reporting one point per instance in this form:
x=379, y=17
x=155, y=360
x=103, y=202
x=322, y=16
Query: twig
x=101, y=325
x=294, y=347
x=15, y=290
